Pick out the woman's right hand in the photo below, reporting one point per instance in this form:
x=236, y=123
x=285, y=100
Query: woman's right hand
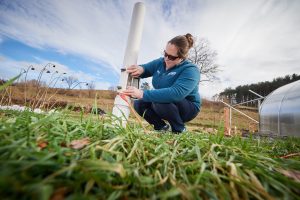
x=135, y=70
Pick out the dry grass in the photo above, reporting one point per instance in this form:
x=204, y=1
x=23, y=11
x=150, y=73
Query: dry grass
x=47, y=98
x=210, y=119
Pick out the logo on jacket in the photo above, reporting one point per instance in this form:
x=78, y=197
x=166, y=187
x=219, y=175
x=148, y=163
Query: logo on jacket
x=171, y=73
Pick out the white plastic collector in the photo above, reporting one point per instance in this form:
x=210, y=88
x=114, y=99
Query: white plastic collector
x=121, y=108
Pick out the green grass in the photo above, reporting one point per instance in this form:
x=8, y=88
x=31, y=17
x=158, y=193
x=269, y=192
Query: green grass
x=126, y=163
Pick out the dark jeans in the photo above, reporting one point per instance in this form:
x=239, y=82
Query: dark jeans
x=175, y=113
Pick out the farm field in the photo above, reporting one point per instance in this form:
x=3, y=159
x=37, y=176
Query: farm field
x=209, y=119
x=71, y=155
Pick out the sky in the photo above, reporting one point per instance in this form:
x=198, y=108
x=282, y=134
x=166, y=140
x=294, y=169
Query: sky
x=256, y=40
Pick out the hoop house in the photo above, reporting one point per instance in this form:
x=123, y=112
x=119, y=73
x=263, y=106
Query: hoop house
x=280, y=111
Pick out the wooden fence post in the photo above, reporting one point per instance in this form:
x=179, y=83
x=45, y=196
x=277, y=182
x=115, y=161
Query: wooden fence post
x=227, y=129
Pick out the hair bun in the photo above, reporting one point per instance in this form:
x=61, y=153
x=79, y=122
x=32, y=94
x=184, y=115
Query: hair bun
x=190, y=39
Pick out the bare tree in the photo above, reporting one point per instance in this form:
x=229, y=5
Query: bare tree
x=91, y=86
x=112, y=88
x=70, y=80
x=202, y=55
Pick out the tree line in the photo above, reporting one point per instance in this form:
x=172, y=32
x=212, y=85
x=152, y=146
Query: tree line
x=241, y=93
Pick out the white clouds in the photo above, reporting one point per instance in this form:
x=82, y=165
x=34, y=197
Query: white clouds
x=93, y=29
x=257, y=38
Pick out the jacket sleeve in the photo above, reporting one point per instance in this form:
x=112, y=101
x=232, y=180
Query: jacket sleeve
x=183, y=86
x=149, y=68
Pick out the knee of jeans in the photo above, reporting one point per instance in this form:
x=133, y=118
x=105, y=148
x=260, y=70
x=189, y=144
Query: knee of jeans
x=160, y=108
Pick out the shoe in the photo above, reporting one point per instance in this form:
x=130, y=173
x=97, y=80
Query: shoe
x=165, y=128
x=179, y=132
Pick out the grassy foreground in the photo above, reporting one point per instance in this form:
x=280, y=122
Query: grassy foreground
x=59, y=156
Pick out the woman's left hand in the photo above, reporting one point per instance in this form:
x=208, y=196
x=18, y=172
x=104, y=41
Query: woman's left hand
x=133, y=92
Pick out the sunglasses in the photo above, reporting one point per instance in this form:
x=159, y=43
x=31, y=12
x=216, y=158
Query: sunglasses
x=170, y=57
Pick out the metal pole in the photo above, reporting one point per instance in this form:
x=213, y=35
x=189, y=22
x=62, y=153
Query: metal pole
x=258, y=105
x=258, y=99
x=121, y=108
x=256, y=94
x=239, y=112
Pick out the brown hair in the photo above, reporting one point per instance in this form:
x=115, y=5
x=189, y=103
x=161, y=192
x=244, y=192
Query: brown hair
x=183, y=44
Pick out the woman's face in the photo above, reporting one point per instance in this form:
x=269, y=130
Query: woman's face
x=171, y=56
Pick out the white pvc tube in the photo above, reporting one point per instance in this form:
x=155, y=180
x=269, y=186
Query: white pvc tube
x=121, y=108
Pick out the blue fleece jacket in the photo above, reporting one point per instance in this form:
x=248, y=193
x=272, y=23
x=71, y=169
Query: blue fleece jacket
x=174, y=84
